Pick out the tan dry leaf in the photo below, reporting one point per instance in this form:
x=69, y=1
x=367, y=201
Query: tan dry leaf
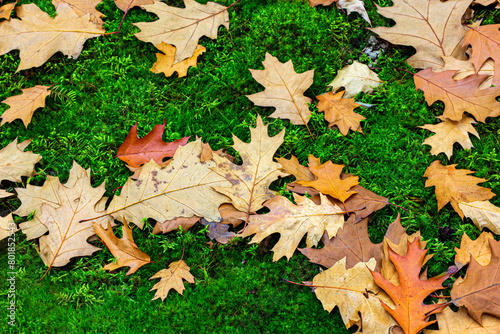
x=354, y=292
x=124, y=249
x=357, y=6
x=165, y=62
x=485, y=43
x=24, y=105
x=171, y=278
x=174, y=224
x=5, y=194
x=293, y=166
x=38, y=36
x=7, y=226
x=183, y=27
x=432, y=27
x=314, y=3
x=231, y=216
x=284, y=90
x=461, y=323
x=6, y=10
x=455, y=185
x=479, y=249
x=483, y=214
x=340, y=112
x=355, y=78
x=82, y=7
x=15, y=163
x=166, y=193
x=292, y=222
x=449, y=132
x=249, y=182
x=464, y=68
x=125, y=5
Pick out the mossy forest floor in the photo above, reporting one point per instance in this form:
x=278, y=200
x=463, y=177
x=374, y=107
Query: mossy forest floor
x=238, y=289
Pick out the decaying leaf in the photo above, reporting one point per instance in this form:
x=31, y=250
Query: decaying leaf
x=124, y=249
x=483, y=214
x=460, y=323
x=455, y=185
x=174, y=224
x=459, y=96
x=171, y=278
x=184, y=188
x=15, y=163
x=292, y=222
x=219, y=231
x=7, y=226
x=449, y=132
x=38, y=36
x=24, y=105
x=250, y=181
x=354, y=292
x=165, y=62
x=433, y=27
x=137, y=151
x=340, y=112
x=355, y=78
x=479, y=249
x=411, y=312
x=485, y=42
x=357, y=6
x=125, y=5
x=183, y=27
x=480, y=290
x=284, y=90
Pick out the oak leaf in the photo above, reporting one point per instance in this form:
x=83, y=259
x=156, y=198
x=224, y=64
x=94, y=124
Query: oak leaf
x=432, y=27
x=483, y=214
x=329, y=182
x=479, y=249
x=250, y=181
x=355, y=78
x=171, y=278
x=124, y=249
x=480, y=290
x=24, y=105
x=455, y=185
x=15, y=163
x=137, y=151
x=165, y=62
x=7, y=226
x=357, y=6
x=314, y=3
x=353, y=243
x=340, y=112
x=449, y=132
x=6, y=10
x=174, y=224
x=219, y=231
x=485, y=42
x=125, y=5
x=293, y=166
x=292, y=222
x=354, y=292
x=464, y=68
x=82, y=7
x=459, y=96
x=284, y=90
x=461, y=323
x=183, y=27
x=411, y=312
x=166, y=193
x=38, y=36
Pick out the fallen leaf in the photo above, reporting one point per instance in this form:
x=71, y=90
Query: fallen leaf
x=459, y=96
x=165, y=62
x=455, y=185
x=460, y=323
x=137, y=151
x=340, y=112
x=24, y=105
x=293, y=166
x=411, y=312
x=166, y=193
x=6, y=10
x=231, y=216
x=314, y=3
x=479, y=249
x=250, y=181
x=125, y=5
x=329, y=182
x=82, y=7
x=464, y=68
x=171, y=278
x=174, y=224
x=449, y=132
x=355, y=78
x=480, y=290
x=125, y=250
x=284, y=90
x=7, y=226
x=38, y=36
x=5, y=194
x=485, y=42
x=434, y=28
x=483, y=214
x=353, y=243
x=182, y=27
x=15, y=163
x=357, y=6
x=219, y=232
x=354, y=292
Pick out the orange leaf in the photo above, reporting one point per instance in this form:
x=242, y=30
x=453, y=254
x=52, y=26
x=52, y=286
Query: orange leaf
x=485, y=42
x=409, y=295
x=340, y=112
x=24, y=105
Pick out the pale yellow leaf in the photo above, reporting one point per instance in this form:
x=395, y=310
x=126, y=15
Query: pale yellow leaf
x=355, y=78
x=24, y=105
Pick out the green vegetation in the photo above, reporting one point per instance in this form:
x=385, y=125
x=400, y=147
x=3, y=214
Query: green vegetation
x=100, y=96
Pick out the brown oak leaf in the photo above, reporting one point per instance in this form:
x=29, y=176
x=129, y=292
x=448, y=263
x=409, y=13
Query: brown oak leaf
x=479, y=249
x=485, y=42
x=219, y=231
x=165, y=62
x=340, y=112
x=293, y=166
x=171, y=278
x=124, y=249
x=24, y=105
